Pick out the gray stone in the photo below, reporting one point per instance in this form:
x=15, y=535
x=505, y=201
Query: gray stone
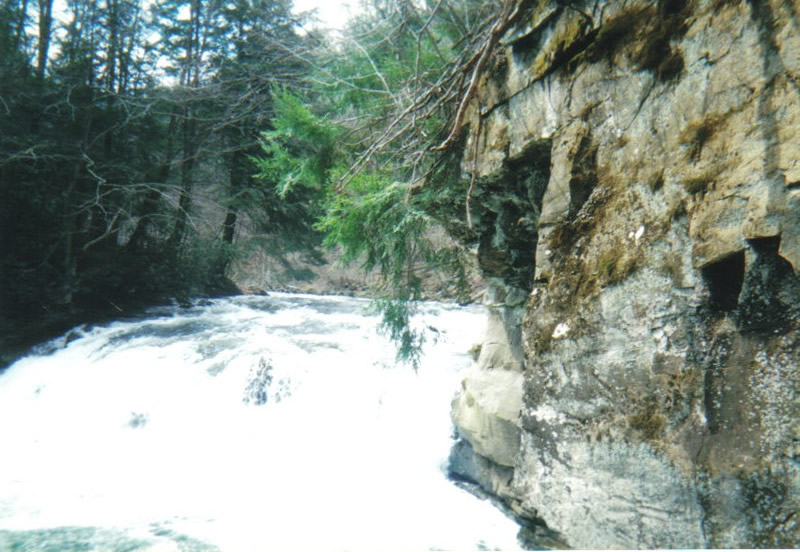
x=486, y=413
x=644, y=394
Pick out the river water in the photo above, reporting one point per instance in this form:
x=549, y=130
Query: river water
x=242, y=424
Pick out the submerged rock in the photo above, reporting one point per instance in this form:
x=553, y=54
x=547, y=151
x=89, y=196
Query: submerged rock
x=638, y=384
x=261, y=388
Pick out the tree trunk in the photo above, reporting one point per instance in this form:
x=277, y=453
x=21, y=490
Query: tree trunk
x=228, y=233
x=229, y=226
x=45, y=28
x=19, y=33
x=150, y=205
x=187, y=166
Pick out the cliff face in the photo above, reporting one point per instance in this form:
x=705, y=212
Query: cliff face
x=637, y=190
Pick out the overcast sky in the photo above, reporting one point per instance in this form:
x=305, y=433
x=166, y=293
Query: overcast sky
x=332, y=14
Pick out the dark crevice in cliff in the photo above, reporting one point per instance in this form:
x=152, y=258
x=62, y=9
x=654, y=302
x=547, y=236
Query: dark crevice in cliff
x=724, y=280
x=507, y=214
x=762, y=294
x=770, y=289
x=584, y=175
x=667, y=8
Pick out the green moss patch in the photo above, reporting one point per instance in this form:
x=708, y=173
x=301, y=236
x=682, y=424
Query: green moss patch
x=697, y=185
x=699, y=133
x=648, y=421
x=646, y=36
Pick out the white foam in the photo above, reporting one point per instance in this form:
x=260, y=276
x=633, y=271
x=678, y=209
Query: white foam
x=141, y=426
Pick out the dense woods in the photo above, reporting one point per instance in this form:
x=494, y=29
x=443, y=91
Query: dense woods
x=138, y=139
x=624, y=177
x=116, y=119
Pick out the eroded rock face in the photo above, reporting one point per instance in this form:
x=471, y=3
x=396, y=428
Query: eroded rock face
x=487, y=410
x=655, y=355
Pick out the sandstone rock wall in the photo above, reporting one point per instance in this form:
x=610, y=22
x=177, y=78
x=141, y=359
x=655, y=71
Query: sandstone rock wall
x=639, y=384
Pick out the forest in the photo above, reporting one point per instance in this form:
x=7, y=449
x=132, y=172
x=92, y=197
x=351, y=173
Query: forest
x=624, y=177
x=145, y=146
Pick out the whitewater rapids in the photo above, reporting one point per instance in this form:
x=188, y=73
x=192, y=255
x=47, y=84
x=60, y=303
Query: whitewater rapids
x=241, y=424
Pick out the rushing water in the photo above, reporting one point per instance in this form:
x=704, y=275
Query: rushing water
x=252, y=424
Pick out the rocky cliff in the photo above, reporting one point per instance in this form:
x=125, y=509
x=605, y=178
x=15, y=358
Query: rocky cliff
x=636, y=186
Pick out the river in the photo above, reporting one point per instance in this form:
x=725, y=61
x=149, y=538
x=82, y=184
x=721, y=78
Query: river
x=240, y=424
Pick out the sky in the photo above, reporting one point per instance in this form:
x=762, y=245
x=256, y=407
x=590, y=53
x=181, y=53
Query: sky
x=332, y=14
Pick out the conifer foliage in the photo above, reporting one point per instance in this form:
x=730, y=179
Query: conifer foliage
x=377, y=130
x=122, y=124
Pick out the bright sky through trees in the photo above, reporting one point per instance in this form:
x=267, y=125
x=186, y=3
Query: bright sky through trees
x=332, y=14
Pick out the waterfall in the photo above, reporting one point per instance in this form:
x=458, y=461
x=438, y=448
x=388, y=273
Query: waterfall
x=248, y=423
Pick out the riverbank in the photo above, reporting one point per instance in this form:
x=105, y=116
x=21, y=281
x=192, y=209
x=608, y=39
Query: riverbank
x=19, y=331
x=257, y=274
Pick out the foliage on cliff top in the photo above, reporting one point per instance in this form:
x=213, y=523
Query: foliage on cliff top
x=374, y=220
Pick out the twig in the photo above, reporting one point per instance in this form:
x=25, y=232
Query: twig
x=474, y=175
x=509, y=16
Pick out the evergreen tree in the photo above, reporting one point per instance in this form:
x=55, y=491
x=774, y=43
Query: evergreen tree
x=100, y=158
x=386, y=91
